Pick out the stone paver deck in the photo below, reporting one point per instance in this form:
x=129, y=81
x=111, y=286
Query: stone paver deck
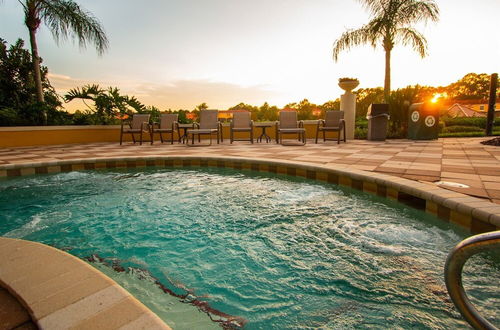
x=458, y=160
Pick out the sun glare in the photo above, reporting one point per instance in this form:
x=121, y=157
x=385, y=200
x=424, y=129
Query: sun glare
x=438, y=96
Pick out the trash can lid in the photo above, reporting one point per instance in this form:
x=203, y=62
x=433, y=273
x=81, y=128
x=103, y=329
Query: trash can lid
x=377, y=109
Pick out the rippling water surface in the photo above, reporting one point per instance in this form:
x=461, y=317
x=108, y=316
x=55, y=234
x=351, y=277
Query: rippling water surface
x=272, y=251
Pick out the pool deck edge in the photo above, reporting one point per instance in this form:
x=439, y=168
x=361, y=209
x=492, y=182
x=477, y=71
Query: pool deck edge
x=62, y=291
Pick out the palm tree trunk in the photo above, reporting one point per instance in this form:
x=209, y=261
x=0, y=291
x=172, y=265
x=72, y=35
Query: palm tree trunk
x=36, y=66
x=37, y=72
x=387, y=80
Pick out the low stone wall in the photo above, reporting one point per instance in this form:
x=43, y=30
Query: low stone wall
x=51, y=135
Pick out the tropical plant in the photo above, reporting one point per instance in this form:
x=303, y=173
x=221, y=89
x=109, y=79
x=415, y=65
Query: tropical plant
x=108, y=103
x=65, y=19
x=18, y=104
x=390, y=24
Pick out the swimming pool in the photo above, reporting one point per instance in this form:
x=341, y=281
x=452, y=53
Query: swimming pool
x=262, y=250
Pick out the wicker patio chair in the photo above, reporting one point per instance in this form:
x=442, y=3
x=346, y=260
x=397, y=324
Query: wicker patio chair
x=208, y=125
x=168, y=124
x=288, y=124
x=242, y=122
x=138, y=125
x=333, y=122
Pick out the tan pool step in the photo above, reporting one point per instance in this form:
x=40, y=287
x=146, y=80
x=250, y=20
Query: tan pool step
x=60, y=291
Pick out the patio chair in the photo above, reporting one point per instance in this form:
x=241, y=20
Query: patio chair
x=138, y=125
x=168, y=124
x=288, y=124
x=208, y=125
x=333, y=122
x=242, y=122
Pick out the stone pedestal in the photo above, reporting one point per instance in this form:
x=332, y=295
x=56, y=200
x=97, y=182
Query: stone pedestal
x=348, y=105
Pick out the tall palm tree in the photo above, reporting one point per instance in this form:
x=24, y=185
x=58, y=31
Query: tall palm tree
x=390, y=24
x=64, y=18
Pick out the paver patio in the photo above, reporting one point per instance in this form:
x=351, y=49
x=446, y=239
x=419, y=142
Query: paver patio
x=458, y=160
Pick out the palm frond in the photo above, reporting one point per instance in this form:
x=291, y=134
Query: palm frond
x=88, y=92
x=413, y=38
x=414, y=11
x=66, y=19
x=351, y=38
x=375, y=7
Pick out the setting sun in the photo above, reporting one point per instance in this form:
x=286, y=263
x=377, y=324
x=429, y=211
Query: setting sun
x=438, y=96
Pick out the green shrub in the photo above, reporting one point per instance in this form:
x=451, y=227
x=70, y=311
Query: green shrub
x=456, y=129
x=467, y=134
x=465, y=121
x=361, y=122
x=360, y=133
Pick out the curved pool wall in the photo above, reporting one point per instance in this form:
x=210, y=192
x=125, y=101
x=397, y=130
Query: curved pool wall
x=471, y=213
x=474, y=214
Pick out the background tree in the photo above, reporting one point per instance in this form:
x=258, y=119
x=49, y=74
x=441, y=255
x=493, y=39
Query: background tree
x=64, y=18
x=365, y=97
x=107, y=103
x=472, y=86
x=197, y=109
x=18, y=104
x=390, y=24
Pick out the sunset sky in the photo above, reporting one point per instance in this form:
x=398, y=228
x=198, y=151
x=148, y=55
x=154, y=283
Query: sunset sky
x=180, y=53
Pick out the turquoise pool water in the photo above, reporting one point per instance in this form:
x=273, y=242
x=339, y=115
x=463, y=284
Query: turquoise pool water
x=269, y=251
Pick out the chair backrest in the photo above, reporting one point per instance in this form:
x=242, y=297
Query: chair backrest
x=288, y=119
x=167, y=119
x=242, y=119
x=138, y=119
x=332, y=118
x=208, y=119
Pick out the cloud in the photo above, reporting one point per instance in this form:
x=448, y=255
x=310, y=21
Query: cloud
x=179, y=94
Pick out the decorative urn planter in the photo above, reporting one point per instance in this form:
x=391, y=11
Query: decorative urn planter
x=348, y=84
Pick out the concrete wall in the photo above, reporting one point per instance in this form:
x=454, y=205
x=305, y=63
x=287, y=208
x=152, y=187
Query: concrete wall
x=50, y=135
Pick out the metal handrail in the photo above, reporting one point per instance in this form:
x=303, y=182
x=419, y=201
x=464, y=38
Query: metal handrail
x=453, y=275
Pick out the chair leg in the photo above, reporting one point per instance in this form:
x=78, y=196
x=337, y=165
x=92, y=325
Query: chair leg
x=251, y=136
x=231, y=136
x=172, y=137
x=324, y=136
x=344, y=135
x=121, y=138
x=338, y=138
x=133, y=137
x=140, y=135
x=317, y=133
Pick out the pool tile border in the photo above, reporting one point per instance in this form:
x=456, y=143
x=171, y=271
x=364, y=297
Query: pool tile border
x=471, y=213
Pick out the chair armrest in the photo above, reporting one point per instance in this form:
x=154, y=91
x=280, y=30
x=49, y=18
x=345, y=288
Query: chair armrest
x=251, y=123
x=196, y=125
x=301, y=124
x=321, y=122
x=342, y=122
x=175, y=125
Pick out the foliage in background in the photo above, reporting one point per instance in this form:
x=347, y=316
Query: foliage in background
x=108, y=103
x=18, y=102
x=63, y=18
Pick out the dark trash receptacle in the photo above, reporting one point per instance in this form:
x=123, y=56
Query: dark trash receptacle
x=378, y=116
x=423, y=121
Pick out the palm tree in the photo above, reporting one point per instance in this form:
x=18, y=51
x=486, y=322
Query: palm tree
x=64, y=18
x=390, y=24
